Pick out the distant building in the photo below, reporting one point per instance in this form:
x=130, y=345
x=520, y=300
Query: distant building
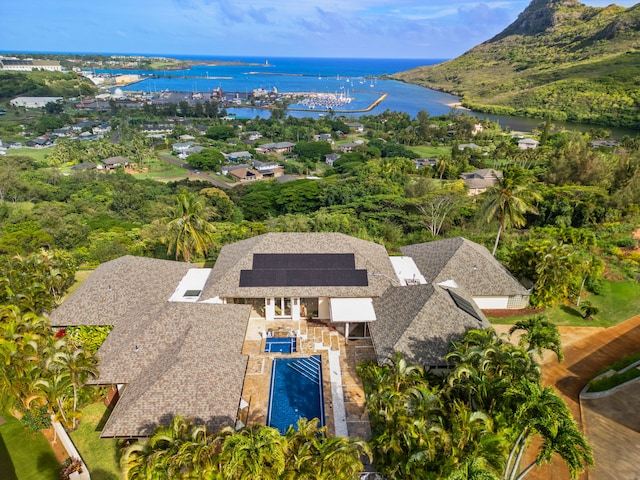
x=349, y=146
x=28, y=65
x=184, y=149
x=356, y=126
x=114, y=162
x=528, y=144
x=604, y=143
x=251, y=136
x=242, y=156
x=324, y=137
x=479, y=180
x=331, y=158
x=127, y=79
x=278, y=147
x=424, y=162
x=34, y=102
x=40, y=142
x=265, y=166
x=472, y=146
x=245, y=174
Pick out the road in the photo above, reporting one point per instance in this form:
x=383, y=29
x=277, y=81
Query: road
x=612, y=441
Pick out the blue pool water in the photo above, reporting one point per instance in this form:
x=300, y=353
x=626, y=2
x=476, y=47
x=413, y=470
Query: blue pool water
x=280, y=345
x=296, y=392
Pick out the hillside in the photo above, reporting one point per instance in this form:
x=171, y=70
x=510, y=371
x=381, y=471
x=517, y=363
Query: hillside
x=559, y=57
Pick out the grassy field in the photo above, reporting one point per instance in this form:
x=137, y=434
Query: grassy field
x=38, y=154
x=618, y=302
x=428, y=151
x=163, y=171
x=25, y=455
x=100, y=454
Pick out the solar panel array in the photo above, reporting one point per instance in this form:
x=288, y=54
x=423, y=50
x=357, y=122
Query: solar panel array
x=304, y=261
x=304, y=270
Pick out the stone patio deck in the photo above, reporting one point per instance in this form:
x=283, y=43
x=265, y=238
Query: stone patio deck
x=314, y=338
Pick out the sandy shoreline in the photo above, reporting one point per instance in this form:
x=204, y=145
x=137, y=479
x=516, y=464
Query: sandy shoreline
x=457, y=105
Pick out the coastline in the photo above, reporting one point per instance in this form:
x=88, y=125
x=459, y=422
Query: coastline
x=457, y=106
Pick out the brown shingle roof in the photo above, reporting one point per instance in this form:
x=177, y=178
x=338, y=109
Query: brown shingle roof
x=188, y=362
x=120, y=289
x=420, y=321
x=172, y=357
x=471, y=266
x=225, y=277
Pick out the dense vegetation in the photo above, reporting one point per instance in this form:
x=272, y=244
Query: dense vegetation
x=475, y=421
x=183, y=450
x=561, y=216
x=43, y=84
x=560, y=58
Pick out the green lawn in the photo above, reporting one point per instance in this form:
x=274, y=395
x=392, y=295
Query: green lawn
x=25, y=455
x=100, y=454
x=38, y=154
x=618, y=302
x=426, y=151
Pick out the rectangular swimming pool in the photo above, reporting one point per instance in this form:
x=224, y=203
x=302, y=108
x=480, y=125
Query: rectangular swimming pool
x=296, y=392
x=280, y=345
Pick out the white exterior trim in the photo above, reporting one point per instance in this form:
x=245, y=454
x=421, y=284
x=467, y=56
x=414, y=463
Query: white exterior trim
x=490, y=303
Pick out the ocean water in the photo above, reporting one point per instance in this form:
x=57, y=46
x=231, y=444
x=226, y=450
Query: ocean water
x=358, y=78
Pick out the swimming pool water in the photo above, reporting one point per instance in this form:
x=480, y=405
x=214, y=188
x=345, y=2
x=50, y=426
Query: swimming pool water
x=281, y=345
x=295, y=393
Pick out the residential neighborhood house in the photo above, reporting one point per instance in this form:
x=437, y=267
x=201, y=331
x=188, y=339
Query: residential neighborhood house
x=479, y=180
x=191, y=341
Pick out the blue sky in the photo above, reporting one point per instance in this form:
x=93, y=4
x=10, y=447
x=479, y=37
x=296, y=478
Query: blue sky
x=272, y=28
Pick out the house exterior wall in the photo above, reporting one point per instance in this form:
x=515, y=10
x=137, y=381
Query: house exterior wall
x=270, y=309
x=492, y=302
x=324, y=309
x=518, y=301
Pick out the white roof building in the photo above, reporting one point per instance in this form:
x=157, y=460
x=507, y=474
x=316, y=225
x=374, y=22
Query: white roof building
x=33, y=102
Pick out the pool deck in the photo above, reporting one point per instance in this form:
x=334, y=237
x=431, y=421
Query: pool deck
x=344, y=400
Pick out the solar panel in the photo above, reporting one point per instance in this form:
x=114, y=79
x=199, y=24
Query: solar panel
x=304, y=278
x=304, y=261
x=465, y=305
x=304, y=270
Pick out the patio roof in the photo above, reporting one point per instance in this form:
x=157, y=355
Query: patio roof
x=352, y=310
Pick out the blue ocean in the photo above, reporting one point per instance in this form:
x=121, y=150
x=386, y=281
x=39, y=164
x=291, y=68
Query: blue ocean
x=362, y=79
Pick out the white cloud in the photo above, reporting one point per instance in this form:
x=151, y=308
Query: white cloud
x=417, y=28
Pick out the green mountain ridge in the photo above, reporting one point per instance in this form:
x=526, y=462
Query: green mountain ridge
x=559, y=58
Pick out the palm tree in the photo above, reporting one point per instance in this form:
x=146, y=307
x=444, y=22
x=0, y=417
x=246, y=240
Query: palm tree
x=188, y=230
x=256, y=453
x=541, y=411
x=588, y=310
x=312, y=456
x=23, y=337
x=509, y=200
x=341, y=457
x=164, y=454
x=78, y=365
x=485, y=367
x=540, y=334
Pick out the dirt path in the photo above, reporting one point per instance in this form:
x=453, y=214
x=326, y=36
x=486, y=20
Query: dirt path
x=587, y=350
x=57, y=447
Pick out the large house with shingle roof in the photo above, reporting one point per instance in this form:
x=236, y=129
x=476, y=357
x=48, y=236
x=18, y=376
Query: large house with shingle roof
x=178, y=331
x=473, y=269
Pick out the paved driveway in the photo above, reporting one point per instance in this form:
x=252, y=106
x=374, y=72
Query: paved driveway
x=586, y=353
